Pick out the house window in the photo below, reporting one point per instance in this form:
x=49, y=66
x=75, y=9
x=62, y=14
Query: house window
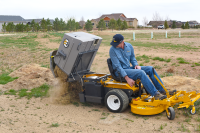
x=92, y=23
x=130, y=23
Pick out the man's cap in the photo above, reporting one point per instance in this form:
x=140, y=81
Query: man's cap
x=117, y=39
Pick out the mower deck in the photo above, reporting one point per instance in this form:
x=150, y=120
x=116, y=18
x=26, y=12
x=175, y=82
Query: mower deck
x=151, y=106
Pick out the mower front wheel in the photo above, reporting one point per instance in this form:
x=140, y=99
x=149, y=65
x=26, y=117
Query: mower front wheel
x=116, y=101
x=171, y=113
x=192, y=111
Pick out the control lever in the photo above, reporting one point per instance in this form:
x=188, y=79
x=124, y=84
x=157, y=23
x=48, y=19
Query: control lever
x=61, y=53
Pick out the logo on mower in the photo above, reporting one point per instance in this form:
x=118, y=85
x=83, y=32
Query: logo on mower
x=66, y=43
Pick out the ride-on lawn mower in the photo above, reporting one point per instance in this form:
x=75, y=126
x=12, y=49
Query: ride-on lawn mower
x=75, y=56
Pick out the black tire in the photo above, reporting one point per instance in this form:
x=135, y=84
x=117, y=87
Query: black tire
x=116, y=101
x=171, y=115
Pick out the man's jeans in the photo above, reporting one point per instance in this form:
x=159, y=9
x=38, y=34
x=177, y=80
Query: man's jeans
x=142, y=75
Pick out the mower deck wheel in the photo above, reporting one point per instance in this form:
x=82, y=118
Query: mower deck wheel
x=192, y=111
x=116, y=100
x=171, y=113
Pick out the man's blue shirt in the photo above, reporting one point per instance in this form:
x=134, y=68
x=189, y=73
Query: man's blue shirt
x=121, y=58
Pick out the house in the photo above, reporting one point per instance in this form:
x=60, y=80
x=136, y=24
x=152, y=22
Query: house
x=192, y=23
x=178, y=23
x=9, y=18
x=131, y=22
x=155, y=24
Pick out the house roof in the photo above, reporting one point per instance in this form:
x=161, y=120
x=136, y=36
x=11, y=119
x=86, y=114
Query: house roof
x=10, y=18
x=115, y=16
x=159, y=22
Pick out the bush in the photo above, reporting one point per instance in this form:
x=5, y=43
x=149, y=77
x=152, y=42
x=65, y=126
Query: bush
x=131, y=27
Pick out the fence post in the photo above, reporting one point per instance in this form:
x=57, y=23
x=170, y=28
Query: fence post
x=166, y=34
x=179, y=34
x=151, y=35
x=134, y=36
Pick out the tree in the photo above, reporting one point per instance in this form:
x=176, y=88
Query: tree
x=19, y=27
x=82, y=22
x=88, y=25
x=62, y=24
x=78, y=26
x=119, y=24
x=174, y=25
x=167, y=18
x=124, y=25
x=101, y=25
x=44, y=25
x=187, y=25
x=37, y=27
x=145, y=21
x=166, y=25
x=27, y=27
x=22, y=27
x=112, y=24
x=33, y=25
x=56, y=24
x=156, y=17
x=4, y=27
x=10, y=27
x=71, y=24
x=182, y=26
x=49, y=25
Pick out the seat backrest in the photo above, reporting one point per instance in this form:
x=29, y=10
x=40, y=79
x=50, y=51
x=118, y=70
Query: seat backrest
x=110, y=66
x=112, y=72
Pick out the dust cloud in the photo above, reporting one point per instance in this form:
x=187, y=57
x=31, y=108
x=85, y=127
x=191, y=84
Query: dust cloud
x=64, y=92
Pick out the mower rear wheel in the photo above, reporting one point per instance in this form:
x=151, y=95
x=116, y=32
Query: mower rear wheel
x=171, y=113
x=116, y=100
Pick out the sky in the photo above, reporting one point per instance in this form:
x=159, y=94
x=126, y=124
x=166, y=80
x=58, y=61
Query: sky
x=181, y=10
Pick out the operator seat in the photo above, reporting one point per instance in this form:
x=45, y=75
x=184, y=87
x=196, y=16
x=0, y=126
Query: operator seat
x=112, y=72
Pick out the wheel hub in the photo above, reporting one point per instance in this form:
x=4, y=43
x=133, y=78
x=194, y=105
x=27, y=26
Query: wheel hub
x=113, y=102
x=116, y=101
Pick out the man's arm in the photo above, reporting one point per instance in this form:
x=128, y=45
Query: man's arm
x=132, y=58
x=130, y=81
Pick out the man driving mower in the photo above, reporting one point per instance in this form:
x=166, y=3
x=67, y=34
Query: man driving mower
x=122, y=54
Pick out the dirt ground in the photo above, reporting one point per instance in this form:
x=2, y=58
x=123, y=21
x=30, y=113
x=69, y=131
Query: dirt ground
x=39, y=114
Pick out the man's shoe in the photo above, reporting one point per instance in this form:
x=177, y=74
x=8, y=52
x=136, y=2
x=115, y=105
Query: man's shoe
x=159, y=96
x=171, y=92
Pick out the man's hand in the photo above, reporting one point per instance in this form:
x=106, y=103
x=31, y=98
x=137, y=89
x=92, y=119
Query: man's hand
x=129, y=81
x=137, y=67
